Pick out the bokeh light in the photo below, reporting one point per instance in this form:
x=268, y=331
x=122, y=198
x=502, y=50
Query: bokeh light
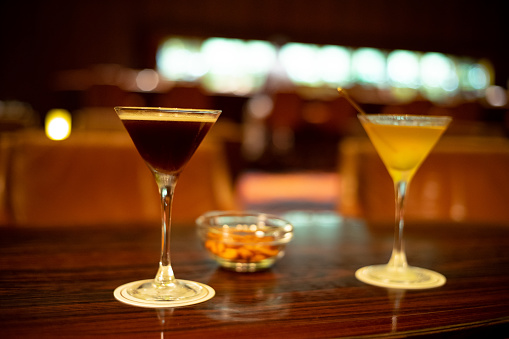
x=300, y=62
x=180, y=59
x=333, y=65
x=368, y=66
x=224, y=65
x=147, y=80
x=496, y=96
x=439, y=76
x=403, y=69
x=236, y=66
x=58, y=124
x=478, y=76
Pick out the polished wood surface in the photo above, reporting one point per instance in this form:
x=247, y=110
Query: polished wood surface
x=59, y=282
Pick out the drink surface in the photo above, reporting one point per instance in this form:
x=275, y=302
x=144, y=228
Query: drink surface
x=167, y=141
x=404, y=142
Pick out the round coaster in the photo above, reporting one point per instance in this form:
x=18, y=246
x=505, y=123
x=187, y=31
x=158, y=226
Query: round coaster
x=434, y=279
x=121, y=295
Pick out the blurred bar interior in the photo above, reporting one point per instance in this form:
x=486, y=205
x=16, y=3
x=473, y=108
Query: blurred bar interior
x=285, y=140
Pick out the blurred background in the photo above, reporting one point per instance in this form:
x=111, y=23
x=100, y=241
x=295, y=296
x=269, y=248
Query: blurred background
x=272, y=67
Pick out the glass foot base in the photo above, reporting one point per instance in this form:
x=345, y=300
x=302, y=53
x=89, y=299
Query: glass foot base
x=144, y=293
x=409, y=278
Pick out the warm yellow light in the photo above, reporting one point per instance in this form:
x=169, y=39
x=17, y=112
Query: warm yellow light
x=58, y=124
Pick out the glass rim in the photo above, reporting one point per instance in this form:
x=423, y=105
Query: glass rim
x=165, y=109
x=203, y=220
x=404, y=117
x=416, y=116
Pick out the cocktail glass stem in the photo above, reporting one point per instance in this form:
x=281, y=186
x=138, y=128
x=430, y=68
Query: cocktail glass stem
x=166, y=183
x=398, y=260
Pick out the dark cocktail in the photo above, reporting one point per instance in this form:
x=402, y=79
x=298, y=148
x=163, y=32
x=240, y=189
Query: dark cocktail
x=166, y=138
x=167, y=143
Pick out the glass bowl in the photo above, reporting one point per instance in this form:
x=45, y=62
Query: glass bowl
x=244, y=241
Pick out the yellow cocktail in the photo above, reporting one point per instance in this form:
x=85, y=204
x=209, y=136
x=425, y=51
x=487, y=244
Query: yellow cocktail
x=401, y=147
x=403, y=143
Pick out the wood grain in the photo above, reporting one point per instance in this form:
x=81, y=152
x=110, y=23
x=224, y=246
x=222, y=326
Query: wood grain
x=59, y=282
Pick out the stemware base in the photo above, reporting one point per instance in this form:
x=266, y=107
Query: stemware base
x=145, y=293
x=408, y=278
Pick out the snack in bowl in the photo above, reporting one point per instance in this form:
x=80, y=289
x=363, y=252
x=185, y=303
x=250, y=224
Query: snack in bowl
x=242, y=241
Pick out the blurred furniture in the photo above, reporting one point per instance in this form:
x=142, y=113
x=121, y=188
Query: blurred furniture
x=98, y=177
x=282, y=192
x=5, y=149
x=183, y=97
x=101, y=95
x=58, y=282
x=15, y=115
x=464, y=178
x=97, y=118
x=286, y=111
x=344, y=116
x=205, y=183
x=416, y=107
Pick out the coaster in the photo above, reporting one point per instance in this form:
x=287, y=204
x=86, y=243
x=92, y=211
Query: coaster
x=433, y=279
x=121, y=295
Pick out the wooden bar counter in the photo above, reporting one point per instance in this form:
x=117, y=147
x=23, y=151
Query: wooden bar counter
x=59, y=282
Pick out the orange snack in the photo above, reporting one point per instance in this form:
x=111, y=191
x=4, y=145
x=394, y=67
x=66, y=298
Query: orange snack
x=246, y=247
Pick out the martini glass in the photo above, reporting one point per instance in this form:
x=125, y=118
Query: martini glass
x=166, y=138
x=403, y=142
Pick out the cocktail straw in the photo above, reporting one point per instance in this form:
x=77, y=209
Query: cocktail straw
x=342, y=92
